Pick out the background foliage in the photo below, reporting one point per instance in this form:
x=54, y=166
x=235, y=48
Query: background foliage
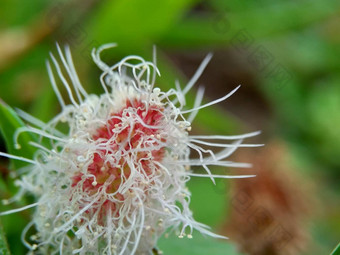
x=286, y=54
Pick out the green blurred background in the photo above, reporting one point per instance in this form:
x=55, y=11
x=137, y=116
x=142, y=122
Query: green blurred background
x=286, y=55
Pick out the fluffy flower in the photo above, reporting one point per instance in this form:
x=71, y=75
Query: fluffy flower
x=116, y=181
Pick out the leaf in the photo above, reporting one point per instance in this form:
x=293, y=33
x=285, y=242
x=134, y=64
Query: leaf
x=208, y=201
x=336, y=251
x=16, y=12
x=4, y=250
x=197, y=245
x=135, y=23
x=9, y=123
x=228, y=27
x=45, y=105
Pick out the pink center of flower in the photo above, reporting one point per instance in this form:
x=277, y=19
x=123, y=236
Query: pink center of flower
x=131, y=144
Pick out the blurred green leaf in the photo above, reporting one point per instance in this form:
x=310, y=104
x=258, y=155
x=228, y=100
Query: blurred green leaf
x=323, y=116
x=27, y=74
x=135, y=23
x=208, y=200
x=316, y=57
x=222, y=28
x=16, y=12
x=196, y=246
x=336, y=251
x=3, y=243
x=236, y=5
x=45, y=106
x=9, y=123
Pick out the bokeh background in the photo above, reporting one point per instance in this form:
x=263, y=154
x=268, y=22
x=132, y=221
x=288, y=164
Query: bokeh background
x=286, y=55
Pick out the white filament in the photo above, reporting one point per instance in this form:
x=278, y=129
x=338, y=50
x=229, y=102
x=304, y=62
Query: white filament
x=127, y=218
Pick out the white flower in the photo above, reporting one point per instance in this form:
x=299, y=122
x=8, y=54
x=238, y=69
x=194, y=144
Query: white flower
x=117, y=180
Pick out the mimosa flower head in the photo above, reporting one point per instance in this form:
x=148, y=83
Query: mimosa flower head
x=116, y=181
